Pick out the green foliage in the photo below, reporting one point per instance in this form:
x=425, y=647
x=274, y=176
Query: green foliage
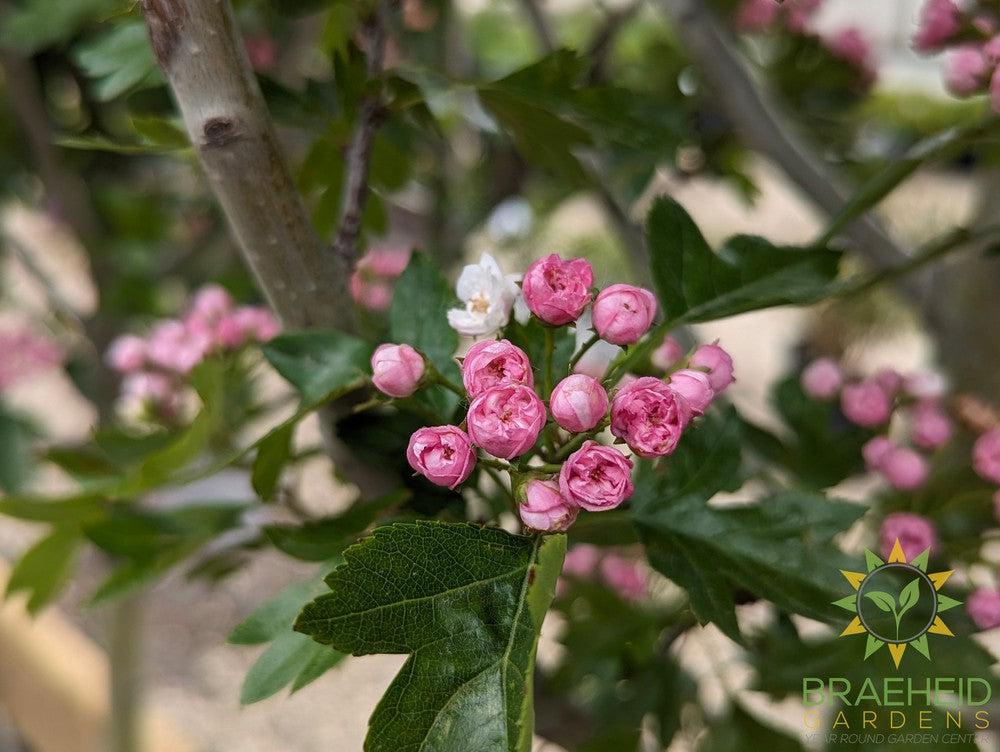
x=747, y=273
x=36, y=24
x=291, y=658
x=320, y=365
x=778, y=548
x=738, y=730
x=44, y=568
x=119, y=61
x=467, y=604
x=15, y=450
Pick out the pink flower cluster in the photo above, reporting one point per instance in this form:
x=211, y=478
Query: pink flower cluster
x=25, y=353
x=872, y=402
x=507, y=412
x=627, y=577
x=155, y=365
x=375, y=276
x=968, y=33
x=795, y=17
x=915, y=534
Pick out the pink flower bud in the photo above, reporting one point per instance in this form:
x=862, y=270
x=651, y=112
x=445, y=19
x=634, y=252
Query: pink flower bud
x=940, y=21
x=718, y=363
x=822, y=379
x=24, y=353
x=904, y=468
x=670, y=351
x=506, y=420
x=865, y=404
x=544, y=508
x=756, y=15
x=890, y=380
x=596, y=478
x=624, y=576
x=156, y=391
x=174, y=346
x=211, y=303
x=371, y=283
x=397, y=370
x=442, y=454
x=373, y=295
x=930, y=428
x=557, y=291
x=492, y=363
x=578, y=403
x=983, y=607
x=986, y=456
x=387, y=263
x=694, y=387
x=581, y=560
x=966, y=70
x=649, y=416
x=925, y=385
x=995, y=90
x=854, y=48
x=799, y=14
x=623, y=313
x=126, y=354
x=875, y=451
x=915, y=533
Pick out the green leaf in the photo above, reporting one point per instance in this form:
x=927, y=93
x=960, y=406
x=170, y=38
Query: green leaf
x=467, y=604
x=119, y=61
x=44, y=568
x=748, y=273
x=777, y=548
x=883, y=600
x=909, y=596
x=67, y=510
x=275, y=614
x=273, y=453
x=36, y=24
x=15, y=451
x=740, y=731
x=422, y=288
x=292, y=657
x=320, y=365
x=320, y=540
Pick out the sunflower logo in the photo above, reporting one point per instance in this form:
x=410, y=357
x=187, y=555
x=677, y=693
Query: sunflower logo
x=897, y=603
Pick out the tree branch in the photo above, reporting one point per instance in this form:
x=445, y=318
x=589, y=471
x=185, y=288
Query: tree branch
x=200, y=50
x=764, y=128
x=370, y=116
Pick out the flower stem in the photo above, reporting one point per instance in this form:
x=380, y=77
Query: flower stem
x=449, y=385
x=594, y=339
x=550, y=346
x=577, y=441
x=495, y=464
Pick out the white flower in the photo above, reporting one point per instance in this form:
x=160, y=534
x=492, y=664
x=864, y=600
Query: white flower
x=488, y=295
x=510, y=220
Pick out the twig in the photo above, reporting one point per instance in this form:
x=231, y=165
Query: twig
x=540, y=24
x=764, y=128
x=198, y=45
x=371, y=114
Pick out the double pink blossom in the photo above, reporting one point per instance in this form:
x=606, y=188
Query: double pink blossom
x=649, y=416
x=986, y=456
x=940, y=21
x=578, y=403
x=623, y=313
x=694, y=387
x=442, y=454
x=397, y=370
x=903, y=468
x=930, y=428
x=544, y=508
x=865, y=403
x=557, y=291
x=983, y=607
x=717, y=363
x=915, y=534
x=596, y=477
x=492, y=363
x=822, y=379
x=506, y=420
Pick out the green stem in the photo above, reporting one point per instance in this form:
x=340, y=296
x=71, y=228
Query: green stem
x=495, y=464
x=577, y=441
x=550, y=346
x=126, y=687
x=498, y=479
x=637, y=352
x=931, y=252
x=881, y=185
x=594, y=339
x=449, y=385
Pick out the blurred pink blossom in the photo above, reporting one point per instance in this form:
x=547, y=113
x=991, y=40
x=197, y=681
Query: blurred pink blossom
x=25, y=353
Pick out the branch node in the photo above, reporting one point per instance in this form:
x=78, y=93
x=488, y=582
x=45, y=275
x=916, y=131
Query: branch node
x=220, y=131
x=164, y=19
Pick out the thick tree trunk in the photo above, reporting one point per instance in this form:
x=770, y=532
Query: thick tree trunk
x=201, y=51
